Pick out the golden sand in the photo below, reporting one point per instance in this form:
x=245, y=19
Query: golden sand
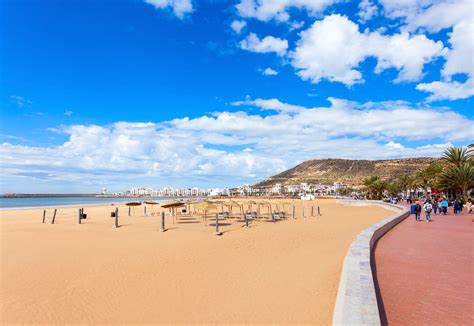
x=92, y=273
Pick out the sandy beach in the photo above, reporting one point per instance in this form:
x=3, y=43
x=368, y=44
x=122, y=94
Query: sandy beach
x=66, y=273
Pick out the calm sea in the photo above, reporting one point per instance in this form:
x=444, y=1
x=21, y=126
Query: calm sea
x=33, y=202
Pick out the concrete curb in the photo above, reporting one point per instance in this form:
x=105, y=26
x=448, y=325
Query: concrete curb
x=356, y=302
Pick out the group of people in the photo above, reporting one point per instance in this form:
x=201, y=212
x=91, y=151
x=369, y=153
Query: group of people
x=440, y=206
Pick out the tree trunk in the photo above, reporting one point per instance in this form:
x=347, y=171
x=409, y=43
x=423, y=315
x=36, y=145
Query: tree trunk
x=464, y=193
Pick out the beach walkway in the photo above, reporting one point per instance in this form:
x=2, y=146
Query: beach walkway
x=425, y=271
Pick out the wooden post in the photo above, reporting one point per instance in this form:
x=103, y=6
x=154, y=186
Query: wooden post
x=116, y=217
x=319, y=212
x=312, y=209
x=54, y=217
x=293, y=211
x=80, y=216
x=162, y=229
x=44, y=215
x=129, y=208
x=246, y=220
x=217, y=225
x=144, y=207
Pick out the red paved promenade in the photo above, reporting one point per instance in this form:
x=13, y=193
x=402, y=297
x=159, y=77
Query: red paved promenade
x=425, y=271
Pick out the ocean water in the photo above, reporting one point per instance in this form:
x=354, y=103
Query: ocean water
x=39, y=202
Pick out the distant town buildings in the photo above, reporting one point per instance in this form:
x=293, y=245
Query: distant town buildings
x=242, y=191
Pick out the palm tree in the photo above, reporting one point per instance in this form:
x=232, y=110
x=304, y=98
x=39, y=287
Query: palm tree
x=456, y=156
x=375, y=186
x=369, y=185
x=459, y=178
x=394, y=188
x=428, y=176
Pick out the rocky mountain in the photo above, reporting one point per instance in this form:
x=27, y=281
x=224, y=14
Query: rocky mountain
x=350, y=172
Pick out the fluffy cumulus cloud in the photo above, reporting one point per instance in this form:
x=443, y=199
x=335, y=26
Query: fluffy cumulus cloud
x=269, y=72
x=235, y=147
x=317, y=56
x=180, y=7
x=266, y=10
x=447, y=90
x=435, y=16
x=267, y=44
x=367, y=10
x=238, y=25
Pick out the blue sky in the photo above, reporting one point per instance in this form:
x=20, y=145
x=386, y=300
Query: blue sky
x=219, y=93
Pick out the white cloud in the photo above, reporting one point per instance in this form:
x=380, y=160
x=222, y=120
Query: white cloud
x=271, y=104
x=318, y=56
x=266, y=45
x=238, y=25
x=435, y=16
x=180, y=7
x=367, y=10
x=20, y=101
x=459, y=60
x=447, y=90
x=232, y=147
x=68, y=113
x=296, y=25
x=269, y=72
x=266, y=10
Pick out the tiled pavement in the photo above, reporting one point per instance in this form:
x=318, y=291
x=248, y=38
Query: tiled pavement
x=425, y=271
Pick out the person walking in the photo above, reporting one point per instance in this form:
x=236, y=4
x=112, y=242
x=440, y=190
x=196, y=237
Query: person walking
x=435, y=206
x=428, y=208
x=444, y=206
x=417, y=211
x=456, y=206
x=469, y=207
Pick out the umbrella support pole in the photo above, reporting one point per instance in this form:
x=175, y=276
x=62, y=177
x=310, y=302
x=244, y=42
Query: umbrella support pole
x=116, y=218
x=44, y=215
x=217, y=225
x=54, y=217
x=319, y=212
x=162, y=229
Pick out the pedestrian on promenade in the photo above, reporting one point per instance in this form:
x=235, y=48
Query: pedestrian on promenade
x=456, y=207
x=428, y=208
x=444, y=206
x=469, y=207
x=417, y=211
x=435, y=206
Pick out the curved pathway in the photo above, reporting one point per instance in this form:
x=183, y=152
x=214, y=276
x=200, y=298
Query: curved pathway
x=425, y=271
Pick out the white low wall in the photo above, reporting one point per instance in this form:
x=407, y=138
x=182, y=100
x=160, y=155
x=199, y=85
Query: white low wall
x=356, y=302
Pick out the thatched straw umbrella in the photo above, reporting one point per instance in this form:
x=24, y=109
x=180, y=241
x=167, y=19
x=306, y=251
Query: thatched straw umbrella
x=152, y=204
x=266, y=204
x=132, y=204
x=172, y=205
x=232, y=204
x=205, y=207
